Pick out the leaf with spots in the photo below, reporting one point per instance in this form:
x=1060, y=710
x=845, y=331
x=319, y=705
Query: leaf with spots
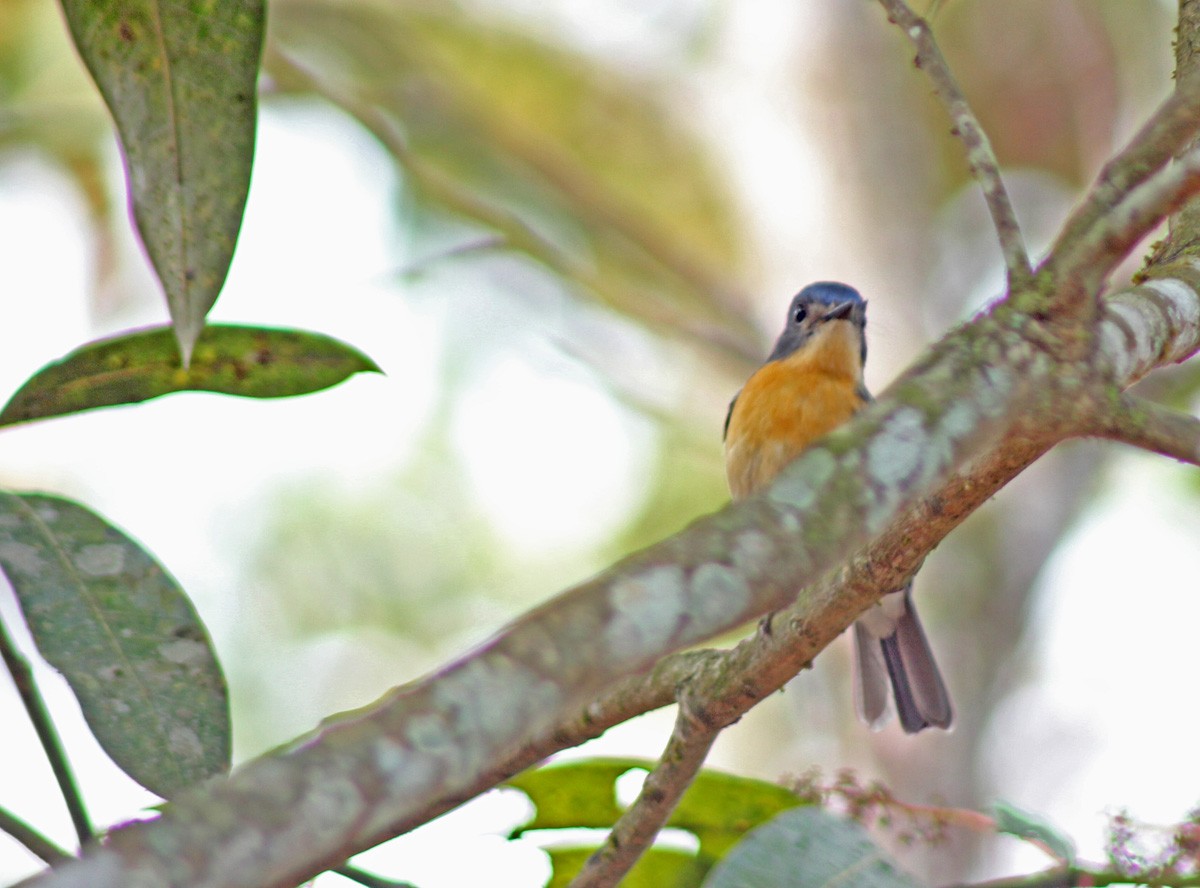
x=107, y=616
x=179, y=79
x=252, y=362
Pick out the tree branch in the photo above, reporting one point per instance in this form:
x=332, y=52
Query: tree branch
x=1070, y=877
x=1151, y=427
x=635, y=830
x=361, y=780
x=980, y=157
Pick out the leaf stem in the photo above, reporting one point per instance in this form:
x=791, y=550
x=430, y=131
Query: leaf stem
x=39, y=715
x=37, y=843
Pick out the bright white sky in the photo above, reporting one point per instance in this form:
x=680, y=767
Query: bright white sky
x=1110, y=721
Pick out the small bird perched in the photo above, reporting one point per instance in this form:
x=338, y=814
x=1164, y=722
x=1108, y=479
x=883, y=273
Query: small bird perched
x=811, y=383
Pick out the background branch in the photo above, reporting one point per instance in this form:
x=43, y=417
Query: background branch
x=980, y=157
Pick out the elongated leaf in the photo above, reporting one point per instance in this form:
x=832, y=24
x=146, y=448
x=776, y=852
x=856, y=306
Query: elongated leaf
x=253, y=362
x=107, y=616
x=806, y=848
x=179, y=78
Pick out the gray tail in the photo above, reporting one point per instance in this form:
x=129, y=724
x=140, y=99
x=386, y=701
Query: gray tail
x=902, y=658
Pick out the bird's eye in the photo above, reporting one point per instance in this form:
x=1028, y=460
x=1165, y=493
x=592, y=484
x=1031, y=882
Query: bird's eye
x=799, y=313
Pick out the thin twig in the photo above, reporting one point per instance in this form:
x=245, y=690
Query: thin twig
x=362, y=877
x=635, y=830
x=1078, y=876
x=35, y=706
x=37, y=843
x=1150, y=426
x=980, y=157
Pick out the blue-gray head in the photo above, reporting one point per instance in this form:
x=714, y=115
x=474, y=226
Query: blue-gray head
x=813, y=307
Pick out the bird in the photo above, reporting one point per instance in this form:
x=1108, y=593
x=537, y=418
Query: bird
x=810, y=384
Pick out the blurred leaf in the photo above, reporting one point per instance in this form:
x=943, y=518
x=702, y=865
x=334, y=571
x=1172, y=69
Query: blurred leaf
x=574, y=163
x=105, y=614
x=657, y=868
x=251, y=362
x=180, y=82
x=717, y=808
x=806, y=848
x=574, y=794
x=1024, y=825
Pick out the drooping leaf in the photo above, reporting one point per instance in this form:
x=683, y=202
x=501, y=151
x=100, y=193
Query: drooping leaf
x=107, y=616
x=1024, y=825
x=179, y=78
x=806, y=848
x=252, y=362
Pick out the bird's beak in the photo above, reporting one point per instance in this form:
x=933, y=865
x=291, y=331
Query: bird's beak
x=840, y=312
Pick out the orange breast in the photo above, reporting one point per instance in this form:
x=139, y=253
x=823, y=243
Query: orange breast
x=783, y=408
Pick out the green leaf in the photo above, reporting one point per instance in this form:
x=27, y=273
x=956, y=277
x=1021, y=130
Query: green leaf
x=179, y=78
x=1024, y=825
x=107, y=616
x=574, y=794
x=657, y=868
x=253, y=362
x=717, y=808
x=806, y=848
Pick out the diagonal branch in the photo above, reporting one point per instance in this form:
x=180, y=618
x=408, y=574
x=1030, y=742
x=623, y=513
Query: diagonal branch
x=347, y=787
x=980, y=157
x=634, y=832
x=1150, y=426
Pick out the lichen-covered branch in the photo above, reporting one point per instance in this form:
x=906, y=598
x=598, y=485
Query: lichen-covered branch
x=981, y=159
x=302, y=809
x=1151, y=427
